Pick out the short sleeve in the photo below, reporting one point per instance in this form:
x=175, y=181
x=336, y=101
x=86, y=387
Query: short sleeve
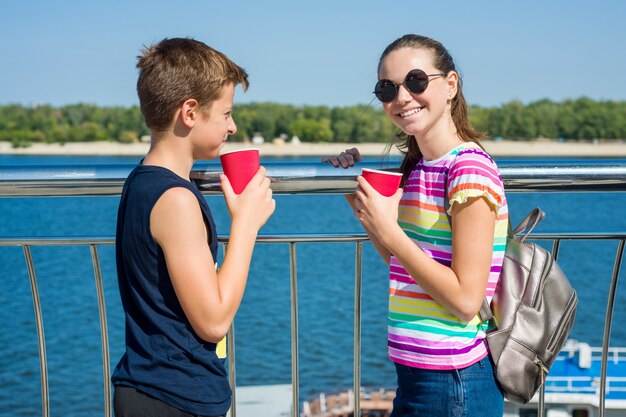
x=474, y=174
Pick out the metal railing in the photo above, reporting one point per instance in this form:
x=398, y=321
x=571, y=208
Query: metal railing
x=290, y=178
x=312, y=178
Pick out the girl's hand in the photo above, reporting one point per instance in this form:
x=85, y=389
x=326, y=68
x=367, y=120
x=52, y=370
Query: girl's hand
x=345, y=159
x=377, y=213
x=254, y=206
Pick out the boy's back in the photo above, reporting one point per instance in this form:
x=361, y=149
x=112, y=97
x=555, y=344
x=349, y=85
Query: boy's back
x=161, y=350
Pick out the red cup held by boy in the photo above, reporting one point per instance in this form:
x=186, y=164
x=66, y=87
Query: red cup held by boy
x=240, y=166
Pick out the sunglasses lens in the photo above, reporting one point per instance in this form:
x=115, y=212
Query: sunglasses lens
x=385, y=90
x=416, y=81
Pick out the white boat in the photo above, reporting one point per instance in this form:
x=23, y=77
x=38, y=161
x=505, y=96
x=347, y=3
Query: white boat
x=572, y=389
x=573, y=384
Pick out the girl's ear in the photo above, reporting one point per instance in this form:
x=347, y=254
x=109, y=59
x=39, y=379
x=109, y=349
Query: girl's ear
x=453, y=84
x=189, y=112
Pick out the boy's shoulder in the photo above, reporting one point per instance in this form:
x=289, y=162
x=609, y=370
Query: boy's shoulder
x=154, y=179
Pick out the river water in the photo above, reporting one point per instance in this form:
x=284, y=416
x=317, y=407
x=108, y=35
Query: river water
x=325, y=288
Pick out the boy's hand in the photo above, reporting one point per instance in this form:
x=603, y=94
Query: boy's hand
x=254, y=205
x=345, y=159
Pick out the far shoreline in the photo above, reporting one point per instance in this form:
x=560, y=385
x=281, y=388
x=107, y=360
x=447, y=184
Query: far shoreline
x=615, y=149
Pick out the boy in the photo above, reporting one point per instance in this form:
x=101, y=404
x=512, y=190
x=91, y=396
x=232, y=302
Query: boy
x=177, y=306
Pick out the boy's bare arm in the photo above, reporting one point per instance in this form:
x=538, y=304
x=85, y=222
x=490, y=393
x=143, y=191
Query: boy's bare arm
x=209, y=299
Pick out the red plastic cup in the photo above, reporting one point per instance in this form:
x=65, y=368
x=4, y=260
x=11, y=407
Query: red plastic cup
x=386, y=183
x=240, y=166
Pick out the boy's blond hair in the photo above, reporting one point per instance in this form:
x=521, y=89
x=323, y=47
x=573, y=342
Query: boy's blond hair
x=178, y=69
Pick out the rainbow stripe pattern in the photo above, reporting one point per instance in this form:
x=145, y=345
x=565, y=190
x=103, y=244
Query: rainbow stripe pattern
x=421, y=332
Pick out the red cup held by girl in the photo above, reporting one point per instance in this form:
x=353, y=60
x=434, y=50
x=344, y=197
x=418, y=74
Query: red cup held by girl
x=385, y=182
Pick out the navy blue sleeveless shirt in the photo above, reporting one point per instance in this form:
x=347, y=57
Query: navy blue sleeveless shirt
x=164, y=357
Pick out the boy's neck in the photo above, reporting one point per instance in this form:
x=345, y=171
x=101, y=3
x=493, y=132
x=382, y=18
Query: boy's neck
x=169, y=151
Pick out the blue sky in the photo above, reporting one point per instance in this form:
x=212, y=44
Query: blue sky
x=315, y=52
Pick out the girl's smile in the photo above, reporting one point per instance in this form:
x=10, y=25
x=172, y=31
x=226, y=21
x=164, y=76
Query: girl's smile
x=409, y=112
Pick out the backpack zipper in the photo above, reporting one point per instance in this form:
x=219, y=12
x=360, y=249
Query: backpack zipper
x=571, y=305
x=545, y=370
x=544, y=273
x=542, y=365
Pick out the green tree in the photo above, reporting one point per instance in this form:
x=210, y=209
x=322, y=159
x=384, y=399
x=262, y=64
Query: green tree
x=128, y=136
x=312, y=130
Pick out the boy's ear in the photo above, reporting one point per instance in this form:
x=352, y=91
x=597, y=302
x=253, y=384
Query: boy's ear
x=189, y=112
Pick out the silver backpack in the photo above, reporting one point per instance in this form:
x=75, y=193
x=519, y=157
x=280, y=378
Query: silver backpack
x=532, y=313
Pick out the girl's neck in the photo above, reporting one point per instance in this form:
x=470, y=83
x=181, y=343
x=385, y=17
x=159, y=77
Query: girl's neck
x=438, y=141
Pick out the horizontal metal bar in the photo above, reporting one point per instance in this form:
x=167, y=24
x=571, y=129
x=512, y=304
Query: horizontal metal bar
x=291, y=238
x=57, y=241
x=291, y=177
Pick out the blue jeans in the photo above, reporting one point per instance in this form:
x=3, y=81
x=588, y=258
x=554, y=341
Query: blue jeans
x=468, y=392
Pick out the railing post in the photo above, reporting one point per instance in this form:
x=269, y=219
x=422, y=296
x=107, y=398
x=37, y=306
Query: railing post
x=104, y=331
x=607, y=325
x=541, y=405
x=232, y=376
x=357, y=327
x=230, y=354
x=295, y=383
x=41, y=338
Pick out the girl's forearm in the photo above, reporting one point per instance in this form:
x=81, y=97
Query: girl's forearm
x=438, y=280
x=384, y=253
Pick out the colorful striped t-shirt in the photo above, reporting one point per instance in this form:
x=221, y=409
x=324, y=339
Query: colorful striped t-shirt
x=421, y=332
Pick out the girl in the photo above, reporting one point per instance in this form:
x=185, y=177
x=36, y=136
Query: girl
x=443, y=236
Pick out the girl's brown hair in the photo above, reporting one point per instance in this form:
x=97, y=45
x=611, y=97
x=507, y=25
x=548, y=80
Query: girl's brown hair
x=443, y=62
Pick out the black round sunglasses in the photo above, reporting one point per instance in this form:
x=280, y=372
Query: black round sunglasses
x=416, y=81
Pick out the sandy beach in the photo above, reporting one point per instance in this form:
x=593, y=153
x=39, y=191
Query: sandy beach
x=501, y=148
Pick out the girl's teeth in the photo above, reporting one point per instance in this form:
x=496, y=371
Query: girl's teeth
x=410, y=112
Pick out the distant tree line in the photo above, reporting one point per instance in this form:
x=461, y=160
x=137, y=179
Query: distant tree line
x=24, y=126
x=581, y=119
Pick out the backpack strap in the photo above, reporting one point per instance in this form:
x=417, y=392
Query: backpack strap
x=526, y=226
x=485, y=312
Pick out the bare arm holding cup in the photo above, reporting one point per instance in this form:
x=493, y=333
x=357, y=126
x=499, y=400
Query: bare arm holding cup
x=377, y=191
x=249, y=200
